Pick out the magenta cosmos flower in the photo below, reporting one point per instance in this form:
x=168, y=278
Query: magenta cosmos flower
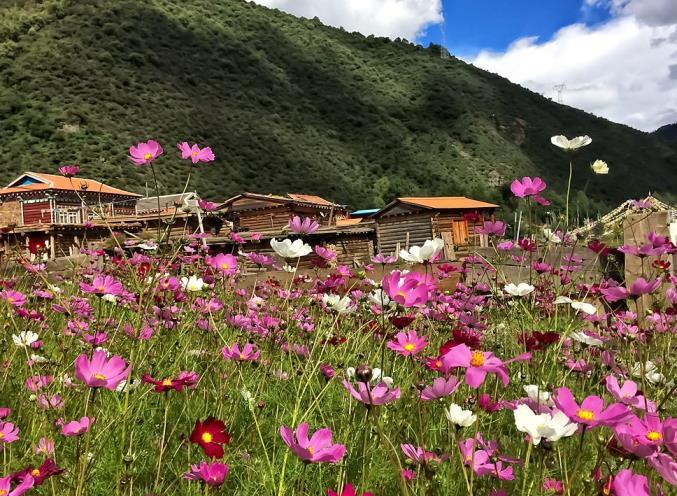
x=418, y=455
x=628, y=484
x=440, y=388
x=627, y=393
x=195, y=153
x=225, y=263
x=145, y=153
x=207, y=206
x=317, y=449
x=409, y=290
x=529, y=187
x=69, y=170
x=8, y=433
x=77, y=427
x=380, y=394
x=407, y=343
x=248, y=353
x=99, y=371
x=102, y=285
x=591, y=411
x=211, y=473
x=348, y=490
x=305, y=226
x=23, y=487
x=478, y=364
x=492, y=228
x=14, y=298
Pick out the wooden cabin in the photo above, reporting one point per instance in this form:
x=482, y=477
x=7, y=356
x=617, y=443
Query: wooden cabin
x=257, y=212
x=46, y=215
x=411, y=221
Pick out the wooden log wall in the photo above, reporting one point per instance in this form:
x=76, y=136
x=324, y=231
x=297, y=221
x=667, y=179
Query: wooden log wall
x=403, y=231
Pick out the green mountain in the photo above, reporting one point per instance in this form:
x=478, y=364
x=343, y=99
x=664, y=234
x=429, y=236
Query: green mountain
x=668, y=132
x=288, y=105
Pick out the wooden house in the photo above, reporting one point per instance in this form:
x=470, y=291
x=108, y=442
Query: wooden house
x=48, y=215
x=411, y=221
x=257, y=212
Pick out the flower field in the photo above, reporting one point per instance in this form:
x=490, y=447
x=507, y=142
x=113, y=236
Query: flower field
x=163, y=370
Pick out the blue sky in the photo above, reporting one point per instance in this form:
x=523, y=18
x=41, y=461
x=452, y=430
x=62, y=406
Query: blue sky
x=617, y=58
x=473, y=25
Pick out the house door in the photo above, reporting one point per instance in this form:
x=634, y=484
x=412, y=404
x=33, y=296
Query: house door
x=460, y=232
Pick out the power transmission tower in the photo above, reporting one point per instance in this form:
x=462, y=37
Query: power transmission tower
x=559, y=88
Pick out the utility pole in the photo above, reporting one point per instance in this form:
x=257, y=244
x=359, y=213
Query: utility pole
x=559, y=88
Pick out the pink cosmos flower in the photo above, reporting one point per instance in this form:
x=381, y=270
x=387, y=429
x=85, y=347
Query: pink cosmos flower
x=225, y=263
x=418, y=455
x=45, y=447
x=666, y=466
x=380, y=394
x=492, y=228
x=8, y=432
x=407, y=343
x=69, y=170
x=24, y=486
x=14, y=298
x=628, y=394
x=440, y=388
x=145, y=153
x=591, y=411
x=248, y=354
x=628, y=484
x=305, y=226
x=482, y=464
x=102, y=285
x=348, y=490
x=317, y=449
x=77, y=427
x=101, y=372
x=648, y=432
x=529, y=187
x=380, y=258
x=325, y=253
x=641, y=286
x=195, y=153
x=211, y=473
x=478, y=364
x=409, y=290
x=207, y=206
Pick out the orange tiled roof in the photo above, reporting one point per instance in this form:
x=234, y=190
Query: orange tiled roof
x=348, y=222
x=52, y=181
x=309, y=199
x=446, y=202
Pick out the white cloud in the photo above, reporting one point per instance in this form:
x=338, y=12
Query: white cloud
x=393, y=18
x=624, y=70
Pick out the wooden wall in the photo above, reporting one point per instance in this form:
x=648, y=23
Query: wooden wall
x=37, y=213
x=401, y=232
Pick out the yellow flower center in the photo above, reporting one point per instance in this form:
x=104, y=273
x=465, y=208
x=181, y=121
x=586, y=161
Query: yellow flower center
x=101, y=289
x=101, y=377
x=409, y=346
x=2, y=492
x=242, y=357
x=194, y=154
x=2, y=435
x=402, y=294
x=167, y=382
x=225, y=266
x=477, y=359
x=207, y=437
x=653, y=436
x=147, y=156
x=585, y=414
x=311, y=450
x=35, y=472
x=10, y=299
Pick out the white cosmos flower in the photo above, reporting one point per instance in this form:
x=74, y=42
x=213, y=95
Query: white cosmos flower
x=288, y=268
x=584, y=307
x=458, y=416
x=38, y=358
x=109, y=298
x=549, y=426
x=420, y=254
x=571, y=144
x=192, y=283
x=290, y=249
x=650, y=372
x=25, y=338
x=126, y=385
x=337, y=304
x=582, y=337
x=380, y=299
x=537, y=395
x=600, y=167
x=376, y=376
x=551, y=236
x=148, y=245
x=521, y=289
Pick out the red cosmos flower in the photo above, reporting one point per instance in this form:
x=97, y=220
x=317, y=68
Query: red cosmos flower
x=183, y=380
x=402, y=321
x=39, y=474
x=210, y=435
